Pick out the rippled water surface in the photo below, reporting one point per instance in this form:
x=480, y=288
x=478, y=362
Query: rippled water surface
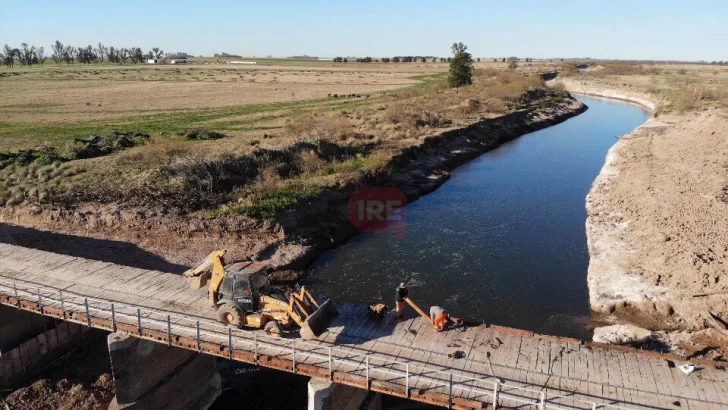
x=503, y=241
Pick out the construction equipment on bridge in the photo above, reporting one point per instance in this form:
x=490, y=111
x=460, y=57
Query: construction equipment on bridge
x=244, y=297
x=457, y=322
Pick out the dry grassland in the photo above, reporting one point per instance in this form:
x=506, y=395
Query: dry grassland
x=266, y=133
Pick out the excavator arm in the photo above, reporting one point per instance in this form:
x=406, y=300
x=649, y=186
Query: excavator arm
x=212, y=269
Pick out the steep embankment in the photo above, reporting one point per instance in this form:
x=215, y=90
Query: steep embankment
x=305, y=231
x=656, y=219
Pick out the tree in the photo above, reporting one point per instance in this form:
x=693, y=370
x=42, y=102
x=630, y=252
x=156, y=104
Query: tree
x=101, y=51
x=26, y=54
x=461, y=66
x=158, y=53
x=458, y=48
x=69, y=54
x=512, y=63
x=58, y=51
x=123, y=55
x=346, y=60
x=40, y=56
x=8, y=56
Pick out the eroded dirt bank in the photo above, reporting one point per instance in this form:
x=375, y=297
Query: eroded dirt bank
x=300, y=234
x=657, y=224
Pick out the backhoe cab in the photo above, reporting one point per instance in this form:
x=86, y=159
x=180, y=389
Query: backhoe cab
x=244, y=297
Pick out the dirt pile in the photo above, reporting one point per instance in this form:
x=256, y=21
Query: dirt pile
x=63, y=395
x=656, y=222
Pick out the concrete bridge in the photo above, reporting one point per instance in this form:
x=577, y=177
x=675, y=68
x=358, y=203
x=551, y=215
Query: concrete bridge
x=164, y=335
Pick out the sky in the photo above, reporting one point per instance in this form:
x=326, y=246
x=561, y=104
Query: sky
x=609, y=29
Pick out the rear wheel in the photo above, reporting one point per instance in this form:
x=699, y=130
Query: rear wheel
x=273, y=328
x=230, y=315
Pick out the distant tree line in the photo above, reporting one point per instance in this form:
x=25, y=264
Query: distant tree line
x=29, y=55
x=224, y=54
x=25, y=55
x=397, y=59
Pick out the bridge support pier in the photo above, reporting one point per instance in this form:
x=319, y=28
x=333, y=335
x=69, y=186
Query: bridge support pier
x=326, y=395
x=151, y=375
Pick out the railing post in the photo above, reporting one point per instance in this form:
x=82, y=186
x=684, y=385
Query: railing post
x=496, y=389
x=255, y=348
x=88, y=313
x=594, y=406
x=113, y=317
x=63, y=307
x=449, y=394
x=367, y=370
x=293, y=343
x=199, y=345
x=406, y=380
x=139, y=321
x=169, y=330
x=331, y=365
x=17, y=298
x=40, y=302
x=542, y=401
x=230, y=343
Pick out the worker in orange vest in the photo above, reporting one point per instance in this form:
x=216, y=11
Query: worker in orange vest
x=399, y=297
x=439, y=317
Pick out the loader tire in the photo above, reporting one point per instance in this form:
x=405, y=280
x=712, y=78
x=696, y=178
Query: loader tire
x=230, y=315
x=273, y=328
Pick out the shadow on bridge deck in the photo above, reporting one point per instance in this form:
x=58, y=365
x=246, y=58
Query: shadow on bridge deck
x=118, y=252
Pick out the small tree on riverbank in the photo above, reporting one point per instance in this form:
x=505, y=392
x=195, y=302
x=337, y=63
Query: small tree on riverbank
x=461, y=66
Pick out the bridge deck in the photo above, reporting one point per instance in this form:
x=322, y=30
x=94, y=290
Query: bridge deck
x=405, y=358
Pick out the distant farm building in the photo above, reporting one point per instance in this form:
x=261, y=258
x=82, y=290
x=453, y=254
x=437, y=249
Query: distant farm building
x=178, y=61
x=242, y=62
x=155, y=61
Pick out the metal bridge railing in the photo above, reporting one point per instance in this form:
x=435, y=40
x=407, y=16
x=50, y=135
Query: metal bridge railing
x=332, y=359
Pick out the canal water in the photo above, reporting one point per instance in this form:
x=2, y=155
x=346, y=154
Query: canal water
x=503, y=241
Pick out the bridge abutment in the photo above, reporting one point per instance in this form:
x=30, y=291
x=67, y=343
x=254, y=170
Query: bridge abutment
x=29, y=341
x=326, y=395
x=151, y=375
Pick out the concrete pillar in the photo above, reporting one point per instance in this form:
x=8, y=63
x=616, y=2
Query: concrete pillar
x=150, y=376
x=326, y=395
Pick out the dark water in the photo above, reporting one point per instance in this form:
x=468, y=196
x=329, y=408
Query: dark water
x=503, y=241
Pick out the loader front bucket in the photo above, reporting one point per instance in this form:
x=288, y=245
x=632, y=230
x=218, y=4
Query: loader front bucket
x=319, y=321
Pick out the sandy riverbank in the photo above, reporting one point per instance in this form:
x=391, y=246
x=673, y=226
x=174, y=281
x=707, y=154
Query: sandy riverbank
x=657, y=220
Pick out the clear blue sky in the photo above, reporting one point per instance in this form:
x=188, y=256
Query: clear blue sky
x=635, y=29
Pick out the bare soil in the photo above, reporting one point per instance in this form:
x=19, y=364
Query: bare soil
x=80, y=381
x=657, y=227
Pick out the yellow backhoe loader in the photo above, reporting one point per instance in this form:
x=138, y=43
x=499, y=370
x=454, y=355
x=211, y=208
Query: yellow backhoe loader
x=243, y=296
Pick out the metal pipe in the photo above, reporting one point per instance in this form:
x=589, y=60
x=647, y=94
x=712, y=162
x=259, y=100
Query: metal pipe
x=169, y=330
x=88, y=313
x=139, y=321
x=293, y=343
x=113, y=317
x=367, y=361
x=406, y=380
x=199, y=345
x=63, y=309
x=17, y=298
x=449, y=394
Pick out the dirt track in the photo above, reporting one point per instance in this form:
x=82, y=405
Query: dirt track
x=657, y=226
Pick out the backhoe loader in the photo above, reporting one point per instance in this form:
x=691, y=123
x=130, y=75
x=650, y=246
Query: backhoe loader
x=244, y=297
